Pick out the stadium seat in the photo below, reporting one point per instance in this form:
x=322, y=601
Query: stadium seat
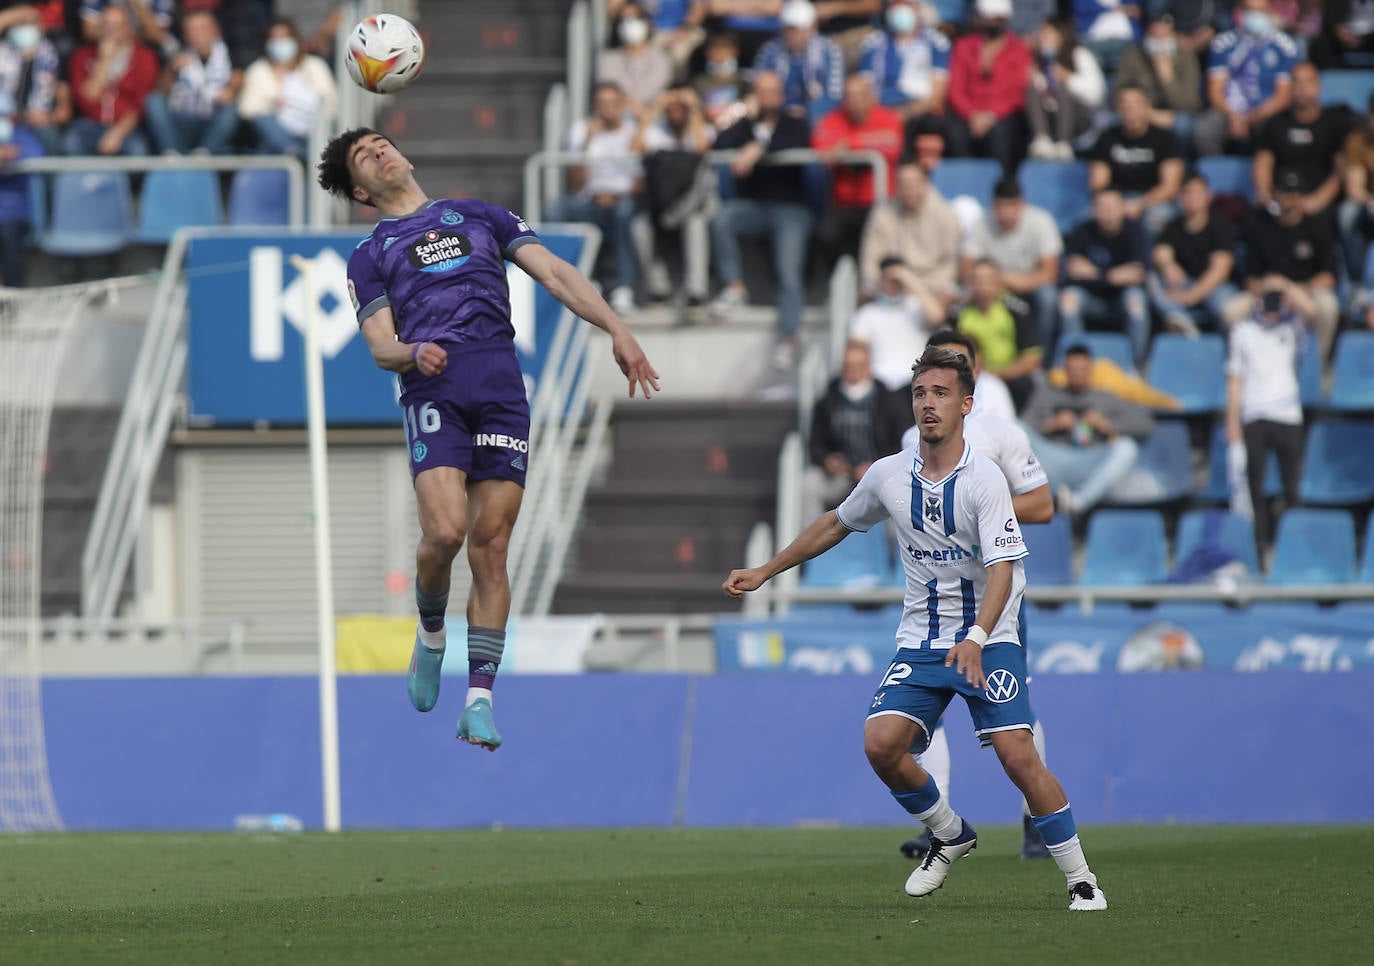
x=1216, y=489
x=1310, y=380
x=1190, y=369
x=38, y=204
x=1367, y=557
x=859, y=560
x=1228, y=175
x=1050, y=563
x=1350, y=88
x=1115, y=346
x=1125, y=547
x=1166, y=460
x=92, y=214
x=1060, y=187
x=171, y=200
x=1314, y=547
x=1232, y=533
x=259, y=197
x=967, y=176
x=1338, y=463
x=1352, y=383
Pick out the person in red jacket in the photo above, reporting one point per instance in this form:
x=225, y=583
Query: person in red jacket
x=988, y=74
x=860, y=123
x=110, y=81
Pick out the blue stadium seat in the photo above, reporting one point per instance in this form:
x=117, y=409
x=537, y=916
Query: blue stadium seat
x=1314, y=547
x=259, y=197
x=1060, y=187
x=1349, y=87
x=1228, y=175
x=1115, y=346
x=1367, y=557
x=1193, y=370
x=1352, y=383
x=1167, y=457
x=1050, y=563
x=171, y=200
x=1338, y=463
x=1125, y=547
x=1310, y=380
x=859, y=560
x=967, y=176
x=1227, y=530
x=1216, y=490
x=92, y=214
x=38, y=204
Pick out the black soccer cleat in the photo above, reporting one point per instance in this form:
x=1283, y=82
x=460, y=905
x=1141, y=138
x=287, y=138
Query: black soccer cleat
x=1032, y=842
x=916, y=849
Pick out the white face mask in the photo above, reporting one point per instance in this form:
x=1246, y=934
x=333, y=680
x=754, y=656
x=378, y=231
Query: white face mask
x=1257, y=23
x=902, y=20
x=281, y=50
x=6, y=130
x=25, y=36
x=722, y=68
x=634, y=32
x=1160, y=46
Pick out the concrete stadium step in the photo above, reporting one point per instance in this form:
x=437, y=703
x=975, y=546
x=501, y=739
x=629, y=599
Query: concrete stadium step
x=642, y=594
x=502, y=102
x=670, y=547
x=725, y=440
x=730, y=504
x=457, y=33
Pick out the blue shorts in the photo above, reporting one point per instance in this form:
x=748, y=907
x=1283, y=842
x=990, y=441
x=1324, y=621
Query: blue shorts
x=921, y=690
x=474, y=416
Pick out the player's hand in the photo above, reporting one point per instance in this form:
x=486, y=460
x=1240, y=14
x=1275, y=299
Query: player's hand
x=967, y=658
x=741, y=581
x=431, y=359
x=634, y=364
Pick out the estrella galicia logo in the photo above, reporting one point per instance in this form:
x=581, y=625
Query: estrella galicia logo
x=419, y=451
x=440, y=251
x=1002, y=686
x=933, y=508
x=451, y=217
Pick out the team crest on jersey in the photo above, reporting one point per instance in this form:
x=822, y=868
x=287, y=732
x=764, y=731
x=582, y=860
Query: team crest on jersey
x=419, y=451
x=933, y=513
x=390, y=240
x=451, y=217
x=440, y=251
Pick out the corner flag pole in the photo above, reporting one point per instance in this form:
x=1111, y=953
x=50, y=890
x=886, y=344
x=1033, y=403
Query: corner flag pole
x=324, y=561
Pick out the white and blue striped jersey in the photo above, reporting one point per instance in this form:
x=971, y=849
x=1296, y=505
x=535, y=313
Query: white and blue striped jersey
x=949, y=532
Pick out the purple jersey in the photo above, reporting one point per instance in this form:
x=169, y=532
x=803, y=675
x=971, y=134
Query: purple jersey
x=442, y=271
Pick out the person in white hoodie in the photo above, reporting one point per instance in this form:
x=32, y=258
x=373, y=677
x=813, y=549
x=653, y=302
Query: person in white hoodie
x=1066, y=89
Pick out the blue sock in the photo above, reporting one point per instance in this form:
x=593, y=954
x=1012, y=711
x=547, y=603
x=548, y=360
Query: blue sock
x=431, y=607
x=485, y=647
x=921, y=800
x=1056, y=828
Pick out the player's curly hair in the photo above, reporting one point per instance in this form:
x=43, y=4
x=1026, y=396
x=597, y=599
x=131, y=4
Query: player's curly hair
x=333, y=174
x=934, y=358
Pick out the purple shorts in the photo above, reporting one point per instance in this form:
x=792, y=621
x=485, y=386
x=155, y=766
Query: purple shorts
x=473, y=416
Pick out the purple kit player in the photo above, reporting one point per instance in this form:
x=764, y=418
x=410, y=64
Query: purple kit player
x=429, y=287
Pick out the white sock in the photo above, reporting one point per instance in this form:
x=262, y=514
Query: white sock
x=434, y=640
x=475, y=693
x=942, y=821
x=1071, y=861
x=1037, y=736
x=935, y=760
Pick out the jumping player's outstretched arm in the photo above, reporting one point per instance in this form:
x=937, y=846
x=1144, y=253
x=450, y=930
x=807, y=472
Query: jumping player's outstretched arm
x=823, y=533
x=571, y=287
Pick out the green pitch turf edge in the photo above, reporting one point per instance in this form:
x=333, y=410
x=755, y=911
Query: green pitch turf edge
x=1237, y=894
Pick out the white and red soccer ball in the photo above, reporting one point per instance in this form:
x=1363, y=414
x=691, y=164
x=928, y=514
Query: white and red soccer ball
x=384, y=53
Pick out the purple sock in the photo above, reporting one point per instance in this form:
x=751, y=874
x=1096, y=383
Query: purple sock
x=485, y=647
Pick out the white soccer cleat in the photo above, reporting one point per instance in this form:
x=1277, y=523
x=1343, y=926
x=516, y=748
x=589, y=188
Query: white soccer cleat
x=931, y=873
x=1086, y=897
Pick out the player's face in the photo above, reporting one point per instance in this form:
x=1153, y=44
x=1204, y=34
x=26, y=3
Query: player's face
x=939, y=404
x=375, y=165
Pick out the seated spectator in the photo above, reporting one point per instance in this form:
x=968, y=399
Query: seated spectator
x=324, y=15
x=895, y=324
x=1291, y=246
x=286, y=92
x=1198, y=22
x=16, y=213
x=767, y=203
x=753, y=22
x=1001, y=324
x=1087, y=440
x=1067, y=88
x=244, y=24
x=111, y=81
x=909, y=65
x=631, y=61
x=858, y=124
x=856, y=421
x=197, y=112
x=811, y=66
x=1356, y=214
x=606, y=191
x=721, y=84
x=1107, y=27
x=1104, y=275
x=848, y=23
x=1193, y=258
x=1263, y=403
x=677, y=25
x=1306, y=138
x=1168, y=73
x=1248, y=81
x=1140, y=160
x=1346, y=33
x=920, y=229
x=151, y=19
x=1024, y=243
x=988, y=74
x=29, y=74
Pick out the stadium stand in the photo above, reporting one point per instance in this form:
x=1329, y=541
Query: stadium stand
x=1125, y=547
x=1352, y=377
x=1367, y=554
x=1338, y=463
x=1215, y=489
x=1167, y=457
x=1115, y=346
x=1348, y=88
x=257, y=198
x=1226, y=530
x=860, y=560
x=973, y=177
x=1314, y=547
x=1228, y=175
x=171, y=200
x=1189, y=369
x=92, y=214
x=1060, y=187
x=1051, y=564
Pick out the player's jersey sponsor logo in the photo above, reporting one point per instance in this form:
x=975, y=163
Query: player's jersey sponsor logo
x=1002, y=686
x=451, y=217
x=946, y=555
x=501, y=440
x=440, y=251
x=419, y=451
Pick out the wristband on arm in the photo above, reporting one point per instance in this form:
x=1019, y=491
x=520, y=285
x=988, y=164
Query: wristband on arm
x=978, y=636
x=415, y=351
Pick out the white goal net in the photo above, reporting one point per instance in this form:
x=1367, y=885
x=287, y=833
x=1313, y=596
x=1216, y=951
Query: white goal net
x=34, y=330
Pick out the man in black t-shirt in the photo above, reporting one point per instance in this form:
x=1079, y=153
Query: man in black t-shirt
x=1306, y=138
x=1193, y=262
x=1104, y=275
x=1140, y=160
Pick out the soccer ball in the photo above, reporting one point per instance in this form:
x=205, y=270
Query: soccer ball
x=384, y=53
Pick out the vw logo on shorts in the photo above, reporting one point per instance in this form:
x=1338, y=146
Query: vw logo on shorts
x=1002, y=686
x=419, y=451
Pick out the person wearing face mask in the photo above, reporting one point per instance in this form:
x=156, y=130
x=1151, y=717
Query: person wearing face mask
x=1066, y=88
x=110, y=81
x=989, y=72
x=640, y=68
x=909, y=65
x=1168, y=73
x=285, y=91
x=720, y=85
x=896, y=323
x=29, y=75
x=1249, y=80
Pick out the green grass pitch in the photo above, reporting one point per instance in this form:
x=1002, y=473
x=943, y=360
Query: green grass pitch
x=827, y=895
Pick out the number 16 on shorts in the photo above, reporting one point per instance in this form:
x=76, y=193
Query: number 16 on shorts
x=421, y=418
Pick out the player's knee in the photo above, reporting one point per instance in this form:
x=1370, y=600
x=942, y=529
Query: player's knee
x=444, y=539
x=1068, y=301
x=884, y=753
x=1021, y=763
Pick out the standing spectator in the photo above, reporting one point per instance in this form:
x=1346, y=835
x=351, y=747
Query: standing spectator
x=909, y=65
x=1104, y=274
x=1140, y=160
x=197, y=112
x=896, y=323
x=721, y=85
x=1356, y=214
x=1291, y=246
x=1087, y=440
x=1248, y=81
x=639, y=67
x=920, y=229
x=1306, y=138
x=1001, y=324
x=858, y=124
x=1168, y=73
x=1263, y=404
x=988, y=74
x=1347, y=29
x=111, y=81
x=767, y=203
x=151, y=19
x=1067, y=89
x=1193, y=259
x=29, y=74
x=16, y=212
x=286, y=92
x=811, y=66
x=1024, y=243
x=606, y=189
x=1106, y=27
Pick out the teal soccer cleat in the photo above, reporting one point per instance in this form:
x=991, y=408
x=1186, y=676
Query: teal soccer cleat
x=476, y=727
x=423, y=680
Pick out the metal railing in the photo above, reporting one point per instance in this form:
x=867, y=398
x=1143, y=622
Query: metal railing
x=582, y=48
